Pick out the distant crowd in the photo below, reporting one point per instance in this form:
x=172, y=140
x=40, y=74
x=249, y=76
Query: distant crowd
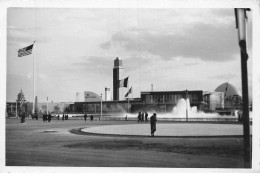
x=47, y=117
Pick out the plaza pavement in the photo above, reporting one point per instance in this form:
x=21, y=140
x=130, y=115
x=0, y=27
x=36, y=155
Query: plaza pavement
x=52, y=144
x=170, y=130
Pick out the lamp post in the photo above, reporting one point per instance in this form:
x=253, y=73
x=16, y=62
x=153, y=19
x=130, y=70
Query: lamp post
x=240, y=15
x=101, y=107
x=47, y=105
x=16, y=109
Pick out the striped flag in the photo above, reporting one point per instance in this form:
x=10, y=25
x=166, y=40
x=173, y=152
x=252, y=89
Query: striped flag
x=129, y=91
x=123, y=82
x=25, y=51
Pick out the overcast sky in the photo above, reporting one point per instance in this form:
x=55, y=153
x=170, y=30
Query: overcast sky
x=173, y=49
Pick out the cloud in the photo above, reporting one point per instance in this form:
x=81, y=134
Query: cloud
x=225, y=76
x=206, y=34
x=94, y=64
x=25, y=36
x=106, y=45
x=207, y=42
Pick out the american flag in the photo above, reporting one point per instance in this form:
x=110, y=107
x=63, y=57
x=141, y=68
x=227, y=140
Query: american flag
x=25, y=51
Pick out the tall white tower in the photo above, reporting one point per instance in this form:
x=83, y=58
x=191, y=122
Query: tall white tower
x=77, y=96
x=107, y=94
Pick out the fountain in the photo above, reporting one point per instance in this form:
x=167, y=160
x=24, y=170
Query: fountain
x=179, y=111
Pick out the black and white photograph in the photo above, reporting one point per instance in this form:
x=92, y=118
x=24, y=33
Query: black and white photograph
x=130, y=84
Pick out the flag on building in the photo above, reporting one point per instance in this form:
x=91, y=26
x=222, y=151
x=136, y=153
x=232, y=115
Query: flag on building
x=123, y=82
x=25, y=51
x=129, y=91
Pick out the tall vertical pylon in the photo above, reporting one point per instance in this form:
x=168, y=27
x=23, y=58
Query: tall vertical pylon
x=117, y=74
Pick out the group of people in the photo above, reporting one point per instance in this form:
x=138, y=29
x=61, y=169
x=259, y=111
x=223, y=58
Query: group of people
x=65, y=117
x=142, y=117
x=86, y=116
x=46, y=117
x=153, y=119
x=35, y=116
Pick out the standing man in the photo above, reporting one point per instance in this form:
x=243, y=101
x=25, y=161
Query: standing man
x=85, y=117
x=49, y=117
x=44, y=117
x=142, y=117
x=153, y=120
x=139, y=117
x=23, y=118
x=146, y=117
x=36, y=116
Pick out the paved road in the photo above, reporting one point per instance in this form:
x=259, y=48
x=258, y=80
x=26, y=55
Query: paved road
x=51, y=144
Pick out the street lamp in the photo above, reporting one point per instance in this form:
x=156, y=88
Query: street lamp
x=101, y=107
x=16, y=109
x=240, y=14
x=47, y=105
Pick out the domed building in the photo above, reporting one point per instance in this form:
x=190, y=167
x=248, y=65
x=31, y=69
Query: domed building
x=232, y=97
x=228, y=90
x=20, y=96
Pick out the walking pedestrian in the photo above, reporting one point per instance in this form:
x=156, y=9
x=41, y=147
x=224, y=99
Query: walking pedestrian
x=49, y=117
x=44, y=117
x=153, y=120
x=139, y=117
x=63, y=116
x=36, y=116
x=146, y=117
x=142, y=119
x=91, y=117
x=85, y=117
x=23, y=118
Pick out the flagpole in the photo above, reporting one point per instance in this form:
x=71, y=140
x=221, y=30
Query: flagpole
x=33, y=78
x=16, y=109
x=132, y=93
x=127, y=99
